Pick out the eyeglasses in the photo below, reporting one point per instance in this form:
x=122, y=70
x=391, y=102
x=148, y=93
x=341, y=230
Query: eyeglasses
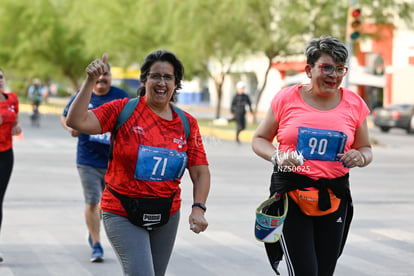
x=157, y=77
x=328, y=69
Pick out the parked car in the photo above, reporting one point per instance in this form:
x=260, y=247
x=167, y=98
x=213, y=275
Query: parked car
x=394, y=116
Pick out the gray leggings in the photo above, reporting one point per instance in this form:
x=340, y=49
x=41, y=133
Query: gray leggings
x=141, y=252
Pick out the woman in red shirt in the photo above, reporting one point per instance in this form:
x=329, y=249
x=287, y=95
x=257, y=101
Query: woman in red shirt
x=9, y=126
x=150, y=152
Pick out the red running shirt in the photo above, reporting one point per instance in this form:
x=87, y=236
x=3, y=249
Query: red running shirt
x=144, y=127
x=8, y=111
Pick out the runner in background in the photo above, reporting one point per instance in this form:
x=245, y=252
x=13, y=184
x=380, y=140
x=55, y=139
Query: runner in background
x=238, y=108
x=36, y=94
x=92, y=160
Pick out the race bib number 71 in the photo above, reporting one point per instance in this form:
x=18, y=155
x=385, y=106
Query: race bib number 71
x=160, y=164
x=320, y=144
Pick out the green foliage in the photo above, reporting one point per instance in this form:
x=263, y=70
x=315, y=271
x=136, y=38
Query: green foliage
x=18, y=86
x=62, y=92
x=43, y=42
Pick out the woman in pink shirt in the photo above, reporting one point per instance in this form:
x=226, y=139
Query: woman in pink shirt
x=322, y=133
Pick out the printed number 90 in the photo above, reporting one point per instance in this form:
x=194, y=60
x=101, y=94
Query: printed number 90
x=318, y=146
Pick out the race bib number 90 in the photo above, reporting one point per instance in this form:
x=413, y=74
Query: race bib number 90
x=160, y=164
x=320, y=144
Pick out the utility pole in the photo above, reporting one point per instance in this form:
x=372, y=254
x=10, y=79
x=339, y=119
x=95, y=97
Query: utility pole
x=353, y=24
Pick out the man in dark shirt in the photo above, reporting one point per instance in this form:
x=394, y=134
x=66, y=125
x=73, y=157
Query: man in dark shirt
x=238, y=108
x=92, y=160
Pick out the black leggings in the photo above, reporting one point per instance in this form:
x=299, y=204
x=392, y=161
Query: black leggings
x=6, y=167
x=312, y=245
x=240, y=121
x=241, y=124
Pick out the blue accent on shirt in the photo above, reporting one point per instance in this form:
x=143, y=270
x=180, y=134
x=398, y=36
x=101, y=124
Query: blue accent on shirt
x=89, y=151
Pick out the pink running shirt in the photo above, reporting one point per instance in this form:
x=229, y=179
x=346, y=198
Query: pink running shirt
x=292, y=112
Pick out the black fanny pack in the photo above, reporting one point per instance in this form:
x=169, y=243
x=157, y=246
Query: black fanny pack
x=146, y=212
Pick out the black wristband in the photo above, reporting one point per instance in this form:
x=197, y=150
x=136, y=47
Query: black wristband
x=201, y=205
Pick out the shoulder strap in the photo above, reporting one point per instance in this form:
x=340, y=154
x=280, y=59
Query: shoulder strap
x=122, y=118
x=125, y=113
x=184, y=120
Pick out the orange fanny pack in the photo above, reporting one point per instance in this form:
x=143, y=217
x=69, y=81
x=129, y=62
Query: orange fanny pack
x=308, y=202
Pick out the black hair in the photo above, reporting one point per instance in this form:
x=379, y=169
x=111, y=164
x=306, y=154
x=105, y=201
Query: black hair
x=162, y=55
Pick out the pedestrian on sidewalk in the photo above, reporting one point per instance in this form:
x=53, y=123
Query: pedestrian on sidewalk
x=36, y=94
x=238, y=108
x=92, y=159
x=157, y=141
x=9, y=126
x=322, y=133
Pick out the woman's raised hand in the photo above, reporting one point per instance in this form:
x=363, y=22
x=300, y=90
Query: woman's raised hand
x=97, y=67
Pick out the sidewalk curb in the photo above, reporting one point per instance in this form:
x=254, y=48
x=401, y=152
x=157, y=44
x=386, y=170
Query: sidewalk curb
x=43, y=109
x=245, y=136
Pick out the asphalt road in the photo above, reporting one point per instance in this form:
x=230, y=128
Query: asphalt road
x=44, y=233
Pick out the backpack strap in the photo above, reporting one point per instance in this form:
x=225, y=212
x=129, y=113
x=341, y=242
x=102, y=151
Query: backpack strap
x=125, y=113
x=122, y=118
x=184, y=120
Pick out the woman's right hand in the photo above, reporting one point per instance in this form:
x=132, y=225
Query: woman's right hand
x=79, y=117
x=97, y=67
x=287, y=158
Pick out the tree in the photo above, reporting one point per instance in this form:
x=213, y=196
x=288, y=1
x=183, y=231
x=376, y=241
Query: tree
x=42, y=41
x=214, y=35
x=129, y=29
x=280, y=31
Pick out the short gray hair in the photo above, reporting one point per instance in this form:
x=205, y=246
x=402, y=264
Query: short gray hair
x=326, y=45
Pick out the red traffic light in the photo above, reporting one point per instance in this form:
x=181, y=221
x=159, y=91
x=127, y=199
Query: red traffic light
x=353, y=24
x=356, y=13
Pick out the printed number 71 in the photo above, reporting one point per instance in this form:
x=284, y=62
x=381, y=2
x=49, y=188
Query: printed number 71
x=157, y=164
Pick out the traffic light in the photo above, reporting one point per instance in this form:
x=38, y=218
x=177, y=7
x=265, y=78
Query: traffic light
x=354, y=24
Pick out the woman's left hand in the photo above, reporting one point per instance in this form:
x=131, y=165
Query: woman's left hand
x=352, y=158
x=198, y=222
